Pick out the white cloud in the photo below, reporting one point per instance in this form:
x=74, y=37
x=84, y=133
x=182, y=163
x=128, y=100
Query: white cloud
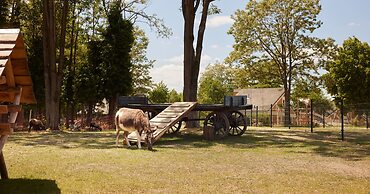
x=217, y=21
x=352, y=24
x=172, y=71
x=215, y=46
x=170, y=74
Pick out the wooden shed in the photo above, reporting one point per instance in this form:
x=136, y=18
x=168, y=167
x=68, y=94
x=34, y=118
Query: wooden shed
x=15, y=85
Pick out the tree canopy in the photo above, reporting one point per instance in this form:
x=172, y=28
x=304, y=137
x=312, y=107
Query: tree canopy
x=348, y=76
x=278, y=31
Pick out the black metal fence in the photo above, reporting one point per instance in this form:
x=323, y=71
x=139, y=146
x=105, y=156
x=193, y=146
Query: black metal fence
x=310, y=115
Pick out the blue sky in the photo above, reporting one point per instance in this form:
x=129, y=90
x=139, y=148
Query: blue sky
x=341, y=19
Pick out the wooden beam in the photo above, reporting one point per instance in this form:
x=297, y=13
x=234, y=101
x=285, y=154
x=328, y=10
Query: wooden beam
x=2, y=78
x=20, y=66
x=5, y=129
x=23, y=80
x=3, y=170
x=9, y=74
x=8, y=89
x=4, y=109
x=18, y=53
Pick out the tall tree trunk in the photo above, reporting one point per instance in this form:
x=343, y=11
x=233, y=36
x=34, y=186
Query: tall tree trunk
x=51, y=103
x=192, y=57
x=90, y=108
x=112, y=108
x=61, y=65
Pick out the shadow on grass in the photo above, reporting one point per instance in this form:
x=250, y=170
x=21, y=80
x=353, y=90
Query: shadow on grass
x=327, y=143
x=29, y=186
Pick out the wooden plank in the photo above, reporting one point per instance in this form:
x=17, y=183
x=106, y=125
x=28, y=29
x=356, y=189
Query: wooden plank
x=165, y=115
x=2, y=71
x=9, y=74
x=173, y=111
x=14, y=108
x=7, y=46
x=5, y=129
x=3, y=62
x=2, y=78
x=23, y=80
x=9, y=31
x=20, y=67
x=8, y=37
x=3, y=171
x=160, y=120
x=4, y=109
x=18, y=53
x=28, y=97
x=8, y=89
x=17, y=100
x=5, y=54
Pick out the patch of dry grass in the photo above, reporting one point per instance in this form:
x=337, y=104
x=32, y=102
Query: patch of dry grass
x=263, y=160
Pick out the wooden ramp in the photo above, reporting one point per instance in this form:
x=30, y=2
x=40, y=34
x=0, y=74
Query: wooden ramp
x=166, y=119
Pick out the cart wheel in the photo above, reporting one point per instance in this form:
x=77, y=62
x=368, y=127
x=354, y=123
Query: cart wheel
x=238, y=123
x=219, y=121
x=174, y=129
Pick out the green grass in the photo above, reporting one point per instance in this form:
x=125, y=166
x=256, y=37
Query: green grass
x=263, y=160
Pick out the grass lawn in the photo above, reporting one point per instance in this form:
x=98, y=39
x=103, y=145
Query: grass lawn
x=263, y=160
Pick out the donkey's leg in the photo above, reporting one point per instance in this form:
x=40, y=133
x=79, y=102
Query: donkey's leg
x=117, y=136
x=138, y=139
x=126, y=138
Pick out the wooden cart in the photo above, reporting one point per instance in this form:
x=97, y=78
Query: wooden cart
x=225, y=119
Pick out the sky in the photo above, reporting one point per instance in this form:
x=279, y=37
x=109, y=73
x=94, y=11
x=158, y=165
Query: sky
x=341, y=19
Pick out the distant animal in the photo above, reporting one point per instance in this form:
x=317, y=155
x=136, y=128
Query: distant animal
x=130, y=120
x=35, y=124
x=94, y=126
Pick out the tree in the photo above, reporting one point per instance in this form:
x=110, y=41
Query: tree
x=4, y=13
x=31, y=27
x=311, y=90
x=174, y=96
x=278, y=31
x=215, y=83
x=192, y=56
x=118, y=40
x=159, y=94
x=50, y=67
x=141, y=65
x=348, y=76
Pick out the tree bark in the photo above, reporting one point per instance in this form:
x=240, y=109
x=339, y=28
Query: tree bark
x=192, y=57
x=51, y=97
x=90, y=108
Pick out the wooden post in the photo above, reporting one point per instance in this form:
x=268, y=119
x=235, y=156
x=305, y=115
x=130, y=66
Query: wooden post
x=311, y=116
x=367, y=120
x=271, y=116
x=323, y=120
x=342, y=119
x=251, y=116
x=3, y=170
x=256, y=116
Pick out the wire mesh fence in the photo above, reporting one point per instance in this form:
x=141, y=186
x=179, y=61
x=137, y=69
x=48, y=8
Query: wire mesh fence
x=310, y=115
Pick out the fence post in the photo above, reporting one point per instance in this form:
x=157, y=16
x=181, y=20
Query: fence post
x=367, y=120
x=271, y=116
x=323, y=120
x=251, y=116
x=256, y=116
x=311, y=115
x=342, y=118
